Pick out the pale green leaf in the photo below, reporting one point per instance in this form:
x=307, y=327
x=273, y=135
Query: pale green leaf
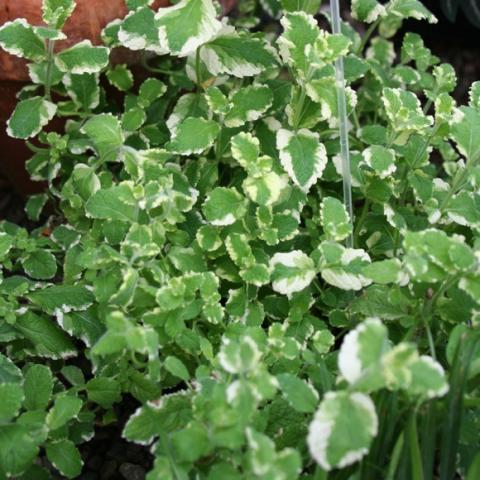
x=300, y=394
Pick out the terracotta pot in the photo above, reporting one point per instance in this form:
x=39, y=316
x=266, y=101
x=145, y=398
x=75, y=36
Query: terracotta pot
x=86, y=22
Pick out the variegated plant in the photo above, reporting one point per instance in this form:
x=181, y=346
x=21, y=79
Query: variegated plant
x=191, y=248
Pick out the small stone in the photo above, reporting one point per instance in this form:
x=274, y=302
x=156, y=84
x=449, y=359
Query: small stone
x=130, y=471
x=109, y=470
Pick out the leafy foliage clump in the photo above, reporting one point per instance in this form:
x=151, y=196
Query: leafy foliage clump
x=193, y=256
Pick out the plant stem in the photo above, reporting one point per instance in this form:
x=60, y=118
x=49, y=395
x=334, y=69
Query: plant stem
x=367, y=35
x=198, y=72
x=48, y=74
x=414, y=447
x=359, y=223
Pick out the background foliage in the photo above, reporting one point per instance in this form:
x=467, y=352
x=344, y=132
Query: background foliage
x=193, y=258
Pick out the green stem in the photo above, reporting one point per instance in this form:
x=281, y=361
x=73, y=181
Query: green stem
x=166, y=447
x=395, y=459
x=458, y=182
x=359, y=223
x=414, y=447
x=198, y=72
x=367, y=35
x=48, y=74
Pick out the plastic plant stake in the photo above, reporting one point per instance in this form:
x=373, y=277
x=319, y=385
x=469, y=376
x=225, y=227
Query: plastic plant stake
x=343, y=122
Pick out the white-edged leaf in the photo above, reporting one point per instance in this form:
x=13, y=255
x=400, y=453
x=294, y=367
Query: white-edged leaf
x=83, y=58
x=335, y=219
x=139, y=31
x=237, y=55
x=248, y=104
x=224, y=206
x=362, y=350
x=56, y=12
x=291, y=272
x=302, y=156
x=186, y=26
x=29, y=117
x=19, y=38
x=342, y=430
x=193, y=136
x=367, y=11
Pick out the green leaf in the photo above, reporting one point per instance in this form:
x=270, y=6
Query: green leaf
x=335, y=219
x=19, y=38
x=65, y=457
x=237, y=55
x=367, y=11
x=115, y=203
x=385, y=271
x=224, y=206
x=120, y=77
x=404, y=113
x=428, y=378
x=83, y=89
x=64, y=409
x=300, y=30
x=139, y=31
x=83, y=58
x=56, y=12
x=248, y=104
x=9, y=372
x=379, y=159
x=104, y=391
x=48, y=339
x=29, y=117
x=150, y=90
x=302, y=156
x=106, y=134
x=194, y=136
x=330, y=438
x=291, y=272
x=186, y=26
x=192, y=442
x=6, y=243
x=12, y=399
x=35, y=205
x=40, y=264
x=411, y=9
x=17, y=449
x=176, y=368
x=300, y=394
x=465, y=132
x=62, y=297
x=38, y=387
x=308, y=6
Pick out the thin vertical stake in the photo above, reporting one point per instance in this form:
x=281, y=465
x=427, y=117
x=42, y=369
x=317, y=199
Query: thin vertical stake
x=343, y=122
